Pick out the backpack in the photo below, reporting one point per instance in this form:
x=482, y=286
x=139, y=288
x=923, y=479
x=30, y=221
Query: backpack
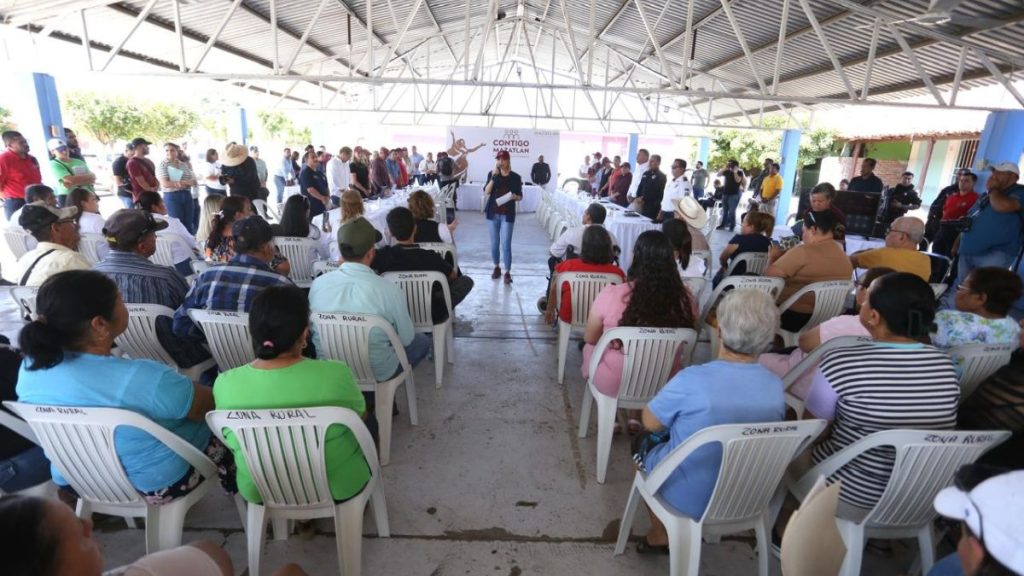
x=446, y=167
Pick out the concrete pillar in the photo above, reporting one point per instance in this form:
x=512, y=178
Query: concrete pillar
x=1002, y=140
x=634, y=145
x=35, y=107
x=788, y=168
x=238, y=127
x=703, y=149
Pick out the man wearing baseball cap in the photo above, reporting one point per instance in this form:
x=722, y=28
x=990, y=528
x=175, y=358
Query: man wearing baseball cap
x=57, y=233
x=992, y=230
x=990, y=507
x=141, y=170
x=356, y=288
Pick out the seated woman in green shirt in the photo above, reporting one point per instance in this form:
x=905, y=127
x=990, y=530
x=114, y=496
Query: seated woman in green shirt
x=281, y=377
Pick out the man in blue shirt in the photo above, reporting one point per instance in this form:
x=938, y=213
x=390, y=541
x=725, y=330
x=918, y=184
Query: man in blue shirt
x=417, y=158
x=284, y=175
x=993, y=237
x=356, y=288
x=313, y=185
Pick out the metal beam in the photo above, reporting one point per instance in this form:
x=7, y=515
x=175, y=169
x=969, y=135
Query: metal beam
x=273, y=37
x=743, y=44
x=135, y=26
x=217, y=33
x=871, y=58
x=684, y=79
x=23, y=13
x=85, y=40
x=665, y=68
x=827, y=46
x=959, y=76
x=305, y=36
x=783, y=24
x=916, y=63
x=998, y=75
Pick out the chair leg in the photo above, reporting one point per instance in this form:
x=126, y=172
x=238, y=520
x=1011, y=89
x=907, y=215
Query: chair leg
x=926, y=540
x=853, y=537
x=348, y=531
x=626, y=526
x=410, y=399
x=84, y=510
x=385, y=401
x=763, y=531
x=255, y=527
x=280, y=528
x=450, y=337
x=585, y=407
x=605, y=429
x=380, y=510
x=241, y=506
x=170, y=522
x=684, y=547
x=563, y=347
x=439, y=350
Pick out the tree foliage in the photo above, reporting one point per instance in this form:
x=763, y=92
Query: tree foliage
x=110, y=120
x=279, y=127
x=5, y=119
x=750, y=147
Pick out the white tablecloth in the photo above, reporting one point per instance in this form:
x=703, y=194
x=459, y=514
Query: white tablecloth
x=471, y=197
x=626, y=229
x=376, y=211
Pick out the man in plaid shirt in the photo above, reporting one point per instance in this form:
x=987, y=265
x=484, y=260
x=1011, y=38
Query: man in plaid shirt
x=233, y=286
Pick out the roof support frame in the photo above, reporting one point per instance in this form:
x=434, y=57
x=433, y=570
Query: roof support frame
x=743, y=45
x=987, y=63
x=273, y=38
x=872, y=49
x=916, y=63
x=781, y=45
x=684, y=79
x=393, y=46
x=959, y=75
x=571, y=49
x=305, y=35
x=216, y=35
x=85, y=39
x=823, y=38
x=124, y=40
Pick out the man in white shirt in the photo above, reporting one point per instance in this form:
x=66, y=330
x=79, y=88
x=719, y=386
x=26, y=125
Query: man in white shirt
x=676, y=189
x=584, y=168
x=57, y=233
x=33, y=193
x=338, y=174
x=642, y=159
x=428, y=168
x=594, y=215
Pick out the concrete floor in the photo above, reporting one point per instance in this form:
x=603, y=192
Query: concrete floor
x=493, y=480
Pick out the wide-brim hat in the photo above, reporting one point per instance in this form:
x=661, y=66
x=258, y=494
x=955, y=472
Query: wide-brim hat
x=690, y=211
x=234, y=155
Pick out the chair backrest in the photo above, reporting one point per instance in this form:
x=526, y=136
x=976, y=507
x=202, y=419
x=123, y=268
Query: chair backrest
x=649, y=355
x=227, y=335
x=696, y=286
x=321, y=267
x=199, y=266
x=79, y=441
x=941, y=267
x=812, y=360
x=18, y=426
x=755, y=263
x=25, y=298
x=583, y=289
x=299, y=252
x=444, y=250
x=418, y=289
x=284, y=450
x=768, y=284
x=977, y=362
x=89, y=247
x=164, y=255
x=345, y=336
x=139, y=340
x=704, y=255
x=829, y=300
x=754, y=459
x=925, y=463
x=939, y=288
x=19, y=241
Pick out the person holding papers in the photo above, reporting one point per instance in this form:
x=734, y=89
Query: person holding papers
x=503, y=189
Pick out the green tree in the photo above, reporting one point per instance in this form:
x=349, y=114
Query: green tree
x=750, y=147
x=166, y=122
x=279, y=127
x=5, y=119
x=116, y=119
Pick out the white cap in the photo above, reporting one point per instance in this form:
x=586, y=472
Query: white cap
x=1006, y=167
x=994, y=511
x=54, y=143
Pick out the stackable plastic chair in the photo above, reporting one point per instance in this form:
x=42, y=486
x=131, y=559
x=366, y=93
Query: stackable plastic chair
x=345, y=336
x=321, y=267
x=926, y=461
x=812, y=360
x=704, y=255
x=300, y=253
x=227, y=336
x=939, y=289
x=977, y=362
x=754, y=459
x=284, y=451
x=696, y=286
x=164, y=255
x=756, y=262
x=19, y=242
x=583, y=289
x=199, y=266
x=25, y=298
x=21, y=428
x=139, y=340
x=767, y=284
x=829, y=302
x=444, y=250
x=80, y=443
x=419, y=298
x=649, y=356
x=89, y=247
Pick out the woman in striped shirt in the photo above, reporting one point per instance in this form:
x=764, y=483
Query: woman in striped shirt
x=896, y=382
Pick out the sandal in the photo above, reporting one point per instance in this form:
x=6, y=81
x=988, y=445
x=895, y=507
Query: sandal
x=644, y=547
x=635, y=426
x=497, y=272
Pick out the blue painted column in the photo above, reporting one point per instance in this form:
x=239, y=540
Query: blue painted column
x=238, y=127
x=788, y=164
x=634, y=145
x=703, y=150
x=35, y=107
x=1002, y=140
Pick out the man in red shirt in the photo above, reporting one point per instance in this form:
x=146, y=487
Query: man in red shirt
x=18, y=169
x=954, y=209
x=141, y=171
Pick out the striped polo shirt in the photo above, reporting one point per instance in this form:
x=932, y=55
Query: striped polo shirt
x=884, y=387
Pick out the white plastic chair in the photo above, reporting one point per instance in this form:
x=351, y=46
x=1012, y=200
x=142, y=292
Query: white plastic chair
x=649, y=356
x=583, y=289
x=90, y=247
x=346, y=337
x=767, y=284
x=696, y=286
x=300, y=253
x=829, y=302
x=19, y=242
x=754, y=459
x=227, y=336
x=811, y=361
x=199, y=266
x=939, y=288
x=977, y=362
x=756, y=262
x=46, y=488
x=80, y=443
x=139, y=340
x=164, y=255
x=284, y=451
x=25, y=298
x=419, y=298
x=925, y=463
x=321, y=267
x=443, y=250
x=704, y=255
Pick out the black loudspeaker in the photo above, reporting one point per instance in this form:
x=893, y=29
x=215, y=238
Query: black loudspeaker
x=861, y=210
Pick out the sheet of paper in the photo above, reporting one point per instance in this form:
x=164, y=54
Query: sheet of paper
x=502, y=200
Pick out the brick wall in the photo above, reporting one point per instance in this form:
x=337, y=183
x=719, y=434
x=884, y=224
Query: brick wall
x=889, y=171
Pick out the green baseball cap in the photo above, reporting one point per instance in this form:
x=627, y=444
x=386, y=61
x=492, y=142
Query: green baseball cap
x=359, y=236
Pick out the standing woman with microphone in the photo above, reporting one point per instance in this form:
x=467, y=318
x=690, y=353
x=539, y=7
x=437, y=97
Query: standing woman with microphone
x=504, y=188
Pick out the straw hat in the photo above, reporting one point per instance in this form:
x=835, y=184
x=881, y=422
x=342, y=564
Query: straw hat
x=689, y=210
x=234, y=155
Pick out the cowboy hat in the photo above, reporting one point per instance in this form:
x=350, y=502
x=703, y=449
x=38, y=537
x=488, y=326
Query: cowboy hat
x=234, y=155
x=690, y=211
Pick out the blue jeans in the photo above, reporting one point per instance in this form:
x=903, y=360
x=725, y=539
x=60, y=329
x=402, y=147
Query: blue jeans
x=128, y=201
x=11, y=205
x=279, y=184
x=698, y=193
x=968, y=262
x=729, y=204
x=179, y=205
x=501, y=229
x=418, y=349
x=195, y=215
x=25, y=470
x=948, y=566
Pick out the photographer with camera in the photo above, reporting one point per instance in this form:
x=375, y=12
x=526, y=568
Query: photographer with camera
x=955, y=207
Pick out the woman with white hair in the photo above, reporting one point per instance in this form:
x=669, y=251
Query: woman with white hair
x=733, y=389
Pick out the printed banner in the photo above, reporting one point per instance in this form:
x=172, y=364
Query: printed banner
x=474, y=150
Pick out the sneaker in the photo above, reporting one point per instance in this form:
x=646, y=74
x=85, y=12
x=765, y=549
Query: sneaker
x=508, y=277
x=542, y=304
x=497, y=272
